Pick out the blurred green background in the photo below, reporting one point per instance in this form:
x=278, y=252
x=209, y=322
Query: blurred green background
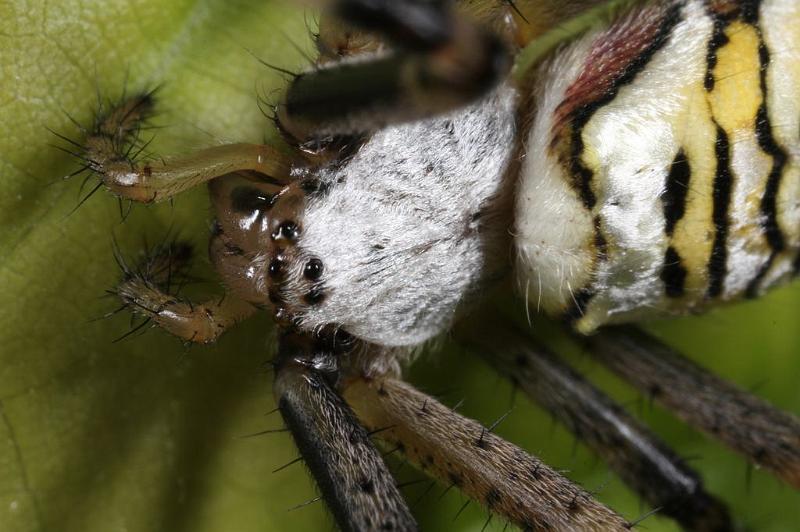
x=145, y=435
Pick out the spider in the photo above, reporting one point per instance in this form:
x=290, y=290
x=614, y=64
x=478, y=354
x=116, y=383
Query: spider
x=630, y=172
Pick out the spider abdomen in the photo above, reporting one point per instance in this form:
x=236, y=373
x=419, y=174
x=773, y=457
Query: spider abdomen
x=672, y=163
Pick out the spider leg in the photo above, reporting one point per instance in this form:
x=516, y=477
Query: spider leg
x=350, y=472
x=441, y=60
x=146, y=291
x=638, y=456
x=111, y=152
x=461, y=452
x=765, y=435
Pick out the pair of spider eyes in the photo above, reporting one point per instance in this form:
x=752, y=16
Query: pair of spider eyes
x=311, y=271
x=288, y=230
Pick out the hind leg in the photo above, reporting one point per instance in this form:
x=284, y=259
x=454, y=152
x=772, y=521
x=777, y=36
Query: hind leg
x=646, y=464
x=765, y=435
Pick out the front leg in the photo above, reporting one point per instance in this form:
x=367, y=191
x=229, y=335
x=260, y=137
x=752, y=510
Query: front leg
x=112, y=150
x=442, y=61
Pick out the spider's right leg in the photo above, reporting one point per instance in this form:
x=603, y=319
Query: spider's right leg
x=462, y=453
x=111, y=152
x=350, y=472
x=637, y=455
x=441, y=60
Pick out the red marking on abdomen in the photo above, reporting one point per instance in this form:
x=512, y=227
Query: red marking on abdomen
x=612, y=54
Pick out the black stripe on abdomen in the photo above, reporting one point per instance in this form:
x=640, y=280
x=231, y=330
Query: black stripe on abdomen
x=769, y=202
x=584, y=296
x=580, y=301
x=718, y=40
x=723, y=188
x=673, y=274
x=676, y=187
x=675, y=191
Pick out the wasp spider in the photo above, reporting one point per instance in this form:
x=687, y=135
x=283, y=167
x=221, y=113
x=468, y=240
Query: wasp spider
x=641, y=159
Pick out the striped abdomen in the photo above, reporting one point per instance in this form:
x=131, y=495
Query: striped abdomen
x=662, y=171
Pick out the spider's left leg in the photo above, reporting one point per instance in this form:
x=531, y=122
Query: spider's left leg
x=111, y=151
x=146, y=290
x=638, y=456
x=350, y=472
x=441, y=60
x=462, y=453
x=762, y=433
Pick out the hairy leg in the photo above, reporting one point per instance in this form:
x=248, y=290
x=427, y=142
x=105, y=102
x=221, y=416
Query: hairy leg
x=441, y=61
x=111, y=151
x=349, y=470
x=638, y=456
x=461, y=452
x=767, y=436
x=146, y=291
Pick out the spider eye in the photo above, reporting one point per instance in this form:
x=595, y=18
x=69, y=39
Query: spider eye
x=275, y=267
x=287, y=230
x=313, y=270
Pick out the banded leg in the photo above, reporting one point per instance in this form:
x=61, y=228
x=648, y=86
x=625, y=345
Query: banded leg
x=443, y=61
x=110, y=151
x=350, y=472
x=146, y=291
x=767, y=436
x=460, y=452
x=639, y=457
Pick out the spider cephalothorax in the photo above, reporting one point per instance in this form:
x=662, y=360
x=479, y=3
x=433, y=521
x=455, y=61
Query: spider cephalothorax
x=363, y=243
x=628, y=172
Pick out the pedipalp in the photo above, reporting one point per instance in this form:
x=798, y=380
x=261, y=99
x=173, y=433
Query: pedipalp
x=147, y=291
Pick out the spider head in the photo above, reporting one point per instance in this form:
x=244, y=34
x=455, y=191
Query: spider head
x=387, y=265
x=390, y=241
x=259, y=248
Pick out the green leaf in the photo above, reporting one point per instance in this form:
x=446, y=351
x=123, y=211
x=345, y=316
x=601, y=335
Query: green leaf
x=144, y=435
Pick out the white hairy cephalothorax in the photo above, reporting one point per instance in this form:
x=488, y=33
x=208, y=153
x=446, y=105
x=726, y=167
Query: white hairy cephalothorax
x=414, y=224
